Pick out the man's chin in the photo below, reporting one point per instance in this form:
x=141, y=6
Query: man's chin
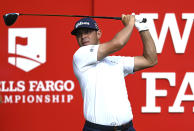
x=88, y=43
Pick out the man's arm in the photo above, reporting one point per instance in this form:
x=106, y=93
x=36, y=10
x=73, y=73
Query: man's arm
x=120, y=39
x=149, y=57
x=1, y=99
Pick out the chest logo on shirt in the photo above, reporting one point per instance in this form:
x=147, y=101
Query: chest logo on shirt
x=91, y=50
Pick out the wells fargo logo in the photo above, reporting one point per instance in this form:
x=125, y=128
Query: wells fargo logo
x=27, y=47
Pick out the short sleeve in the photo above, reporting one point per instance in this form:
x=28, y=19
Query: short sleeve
x=85, y=56
x=128, y=65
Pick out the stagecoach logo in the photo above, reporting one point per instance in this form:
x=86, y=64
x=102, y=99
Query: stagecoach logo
x=27, y=47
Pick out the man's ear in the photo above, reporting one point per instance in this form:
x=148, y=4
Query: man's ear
x=99, y=34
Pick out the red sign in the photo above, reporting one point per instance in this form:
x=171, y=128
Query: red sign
x=41, y=92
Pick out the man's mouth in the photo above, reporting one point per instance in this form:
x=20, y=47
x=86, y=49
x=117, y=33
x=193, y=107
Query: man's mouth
x=85, y=43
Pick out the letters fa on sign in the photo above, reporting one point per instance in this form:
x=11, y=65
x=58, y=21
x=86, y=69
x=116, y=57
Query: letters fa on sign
x=27, y=47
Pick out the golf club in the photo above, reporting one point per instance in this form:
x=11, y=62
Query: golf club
x=11, y=18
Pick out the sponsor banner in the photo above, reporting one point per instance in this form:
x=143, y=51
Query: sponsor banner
x=38, y=91
x=37, y=84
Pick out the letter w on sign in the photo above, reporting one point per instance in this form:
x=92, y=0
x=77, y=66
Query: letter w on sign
x=170, y=23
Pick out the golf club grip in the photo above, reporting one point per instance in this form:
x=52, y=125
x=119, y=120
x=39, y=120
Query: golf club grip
x=102, y=17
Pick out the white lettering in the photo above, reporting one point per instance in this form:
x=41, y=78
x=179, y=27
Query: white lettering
x=32, y=85
x=8, y=99
x=171, y=24
x=47, y=86
x=12, y=86
x=71, y=87
x=55, y=98
x=47, y=99
x=38, y=98
x=152, y=93
x=30, y=99
x=21, y=86
x=17, y=98
x=188, y=80
x=69, y=98
x=82, y=23
x=59, y=84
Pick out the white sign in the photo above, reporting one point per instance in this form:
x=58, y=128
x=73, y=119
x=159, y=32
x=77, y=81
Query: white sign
x=27, y=47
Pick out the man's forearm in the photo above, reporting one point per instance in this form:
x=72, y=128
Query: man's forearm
x=123, y=36
x=119, y=40
x=1, y=99
x=149, y=49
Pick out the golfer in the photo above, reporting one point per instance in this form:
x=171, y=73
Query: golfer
x=101, y=76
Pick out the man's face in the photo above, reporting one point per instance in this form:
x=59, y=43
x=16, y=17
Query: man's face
x=87, y=36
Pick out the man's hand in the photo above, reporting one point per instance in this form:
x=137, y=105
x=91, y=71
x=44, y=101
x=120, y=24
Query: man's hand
x=141, y=26
x=128, y=20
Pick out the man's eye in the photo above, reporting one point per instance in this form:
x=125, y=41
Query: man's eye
x=86, y=31
x=79, y=33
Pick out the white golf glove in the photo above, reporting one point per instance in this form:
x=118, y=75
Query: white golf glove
x=141, y=26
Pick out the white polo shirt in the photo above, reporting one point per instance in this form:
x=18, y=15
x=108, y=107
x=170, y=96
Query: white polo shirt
x=103, y=86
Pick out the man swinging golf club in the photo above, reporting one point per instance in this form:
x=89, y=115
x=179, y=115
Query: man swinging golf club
x=101, y=77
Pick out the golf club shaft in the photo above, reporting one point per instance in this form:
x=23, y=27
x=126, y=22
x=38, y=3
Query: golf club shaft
x=103, y=17
x=10, y=18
